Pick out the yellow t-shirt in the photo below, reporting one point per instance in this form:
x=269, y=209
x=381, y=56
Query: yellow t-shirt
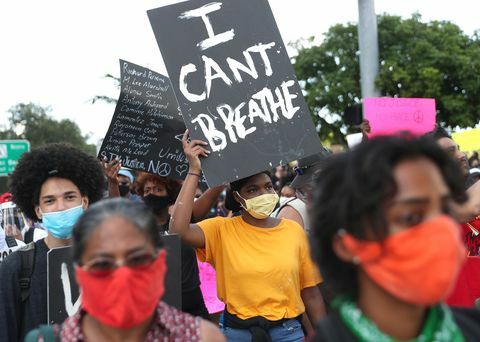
x=260, y=271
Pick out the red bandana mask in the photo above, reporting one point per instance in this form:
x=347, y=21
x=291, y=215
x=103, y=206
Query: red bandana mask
x=419, y=265
x=127, y=296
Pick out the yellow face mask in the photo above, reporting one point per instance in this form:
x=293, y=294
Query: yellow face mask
x=261, y=206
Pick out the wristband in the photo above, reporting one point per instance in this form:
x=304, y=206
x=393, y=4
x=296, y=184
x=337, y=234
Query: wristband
x=194, y=174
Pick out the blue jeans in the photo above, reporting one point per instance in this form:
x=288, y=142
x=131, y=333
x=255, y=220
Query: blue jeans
x=288, y=331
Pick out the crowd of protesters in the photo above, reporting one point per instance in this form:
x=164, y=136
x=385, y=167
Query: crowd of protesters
x=363, y=245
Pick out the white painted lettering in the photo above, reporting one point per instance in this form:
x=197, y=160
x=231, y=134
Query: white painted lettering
x=213, y=39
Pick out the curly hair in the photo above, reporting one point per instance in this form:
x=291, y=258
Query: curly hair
x=173, y=186
x=351, y=191
x=55, y=160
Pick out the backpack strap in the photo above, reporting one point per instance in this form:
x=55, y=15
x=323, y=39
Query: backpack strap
x=27, y=256
x=11, y=242
x=283, y=205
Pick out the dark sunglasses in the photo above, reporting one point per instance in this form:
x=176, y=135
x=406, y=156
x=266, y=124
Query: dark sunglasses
x=106, y=266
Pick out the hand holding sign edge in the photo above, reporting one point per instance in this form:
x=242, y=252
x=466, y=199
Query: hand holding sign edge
x=193, y=150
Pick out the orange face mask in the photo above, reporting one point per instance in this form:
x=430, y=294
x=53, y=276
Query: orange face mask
x=419, y=265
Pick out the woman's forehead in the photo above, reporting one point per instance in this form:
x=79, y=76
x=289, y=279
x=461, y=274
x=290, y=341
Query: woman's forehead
x=259, y=179
x=116, y=235
x=419, y=177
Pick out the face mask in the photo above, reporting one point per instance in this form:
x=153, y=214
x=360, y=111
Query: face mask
x=261, y=206
x=125, y=298
x=419, y=265
x=156, y=203
x=124, y=189
x=60, y=223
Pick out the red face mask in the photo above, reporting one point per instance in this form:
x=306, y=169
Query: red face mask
x=419, y=265
x=127, y=296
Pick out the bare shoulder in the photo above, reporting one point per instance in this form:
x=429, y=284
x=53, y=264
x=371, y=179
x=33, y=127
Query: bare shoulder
x=289, y=212
x=210, y=333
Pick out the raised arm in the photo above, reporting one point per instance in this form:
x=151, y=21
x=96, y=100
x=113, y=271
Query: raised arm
x=180, y=219
x=111, y=170
x=202, y=206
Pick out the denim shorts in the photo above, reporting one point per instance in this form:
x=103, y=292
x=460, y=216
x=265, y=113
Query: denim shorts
x=288, y=331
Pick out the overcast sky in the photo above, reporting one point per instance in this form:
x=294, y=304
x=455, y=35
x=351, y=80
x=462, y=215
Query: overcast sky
x=55, y=52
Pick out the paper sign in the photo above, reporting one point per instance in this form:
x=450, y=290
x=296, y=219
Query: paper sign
x=354, y=139
x=235, y=85
x=392, y=115
x=468, y=140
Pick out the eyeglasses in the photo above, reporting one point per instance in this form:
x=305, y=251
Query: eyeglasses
x=104, y=266
x=300, y=170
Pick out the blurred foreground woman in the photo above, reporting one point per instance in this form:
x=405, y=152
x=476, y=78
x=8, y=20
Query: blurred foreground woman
x=120, y=269
x=386, y=245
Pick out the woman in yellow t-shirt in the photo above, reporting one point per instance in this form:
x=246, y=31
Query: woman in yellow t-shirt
x=264, y=272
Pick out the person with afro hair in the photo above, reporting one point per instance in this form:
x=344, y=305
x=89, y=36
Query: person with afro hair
x=54, y=184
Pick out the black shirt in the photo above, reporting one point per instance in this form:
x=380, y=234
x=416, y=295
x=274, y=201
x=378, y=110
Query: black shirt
x=16, y=321
x=192, y=299
x=332, y=328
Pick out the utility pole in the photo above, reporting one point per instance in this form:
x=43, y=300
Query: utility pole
x=368, y=43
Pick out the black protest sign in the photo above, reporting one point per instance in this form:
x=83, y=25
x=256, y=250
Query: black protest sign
x=173, y=279
x=63, y=298
x=147, y=126
x=62, y=289
x=235, y=85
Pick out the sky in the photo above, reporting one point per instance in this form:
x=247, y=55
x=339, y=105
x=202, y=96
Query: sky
x=56, y=52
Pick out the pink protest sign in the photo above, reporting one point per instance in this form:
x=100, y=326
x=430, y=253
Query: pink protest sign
x=391, y=115
x=208, y=285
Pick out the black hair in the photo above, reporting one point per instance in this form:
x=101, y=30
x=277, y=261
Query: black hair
x=55, y=160
x=230, y=202
x=439, y=133
x=350, y=194
x=135, y=212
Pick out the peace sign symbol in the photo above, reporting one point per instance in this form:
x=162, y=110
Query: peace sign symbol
x=164, y=169
x=418, y=116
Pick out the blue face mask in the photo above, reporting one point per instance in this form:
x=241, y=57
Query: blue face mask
x=60, y=223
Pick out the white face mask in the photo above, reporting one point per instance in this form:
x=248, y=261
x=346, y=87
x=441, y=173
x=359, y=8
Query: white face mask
x=261, y=206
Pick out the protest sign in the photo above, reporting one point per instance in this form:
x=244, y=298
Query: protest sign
x=173, y=278
x=391, y=115
x=147, y=126
x=63, y=296
x=235, y=85
x=468, y=141
x=354, y=139
x=62, y=289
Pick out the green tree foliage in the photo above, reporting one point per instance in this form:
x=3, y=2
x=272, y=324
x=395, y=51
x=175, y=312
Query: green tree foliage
x=32, y=122
x=417, y=59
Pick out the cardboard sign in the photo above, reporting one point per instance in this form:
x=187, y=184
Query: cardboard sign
x=468, y=140
x=235, y=85
x=62, y=289
x=392, y=115
x=173, y=278
x=63, y=295
x=147, y=126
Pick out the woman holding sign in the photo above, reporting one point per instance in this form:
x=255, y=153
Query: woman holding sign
x=264, y=272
